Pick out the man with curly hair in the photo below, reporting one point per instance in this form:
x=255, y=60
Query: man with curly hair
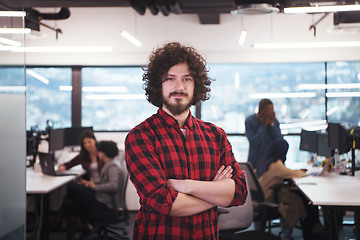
x=181, y=167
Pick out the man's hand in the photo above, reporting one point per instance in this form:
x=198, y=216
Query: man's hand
x=89, y=184
x=267, y=117
x=61, y=168
x=184, y=185
x=223, y=173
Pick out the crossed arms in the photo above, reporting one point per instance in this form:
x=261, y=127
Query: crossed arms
x=198, y=196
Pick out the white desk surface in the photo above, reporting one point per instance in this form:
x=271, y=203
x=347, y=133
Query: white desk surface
x=38, y=183
x=331, y=189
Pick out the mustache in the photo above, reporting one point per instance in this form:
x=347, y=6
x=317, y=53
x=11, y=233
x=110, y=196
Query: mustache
x=178, y=93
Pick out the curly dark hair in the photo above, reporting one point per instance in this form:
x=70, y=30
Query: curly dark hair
x=171, y=54
x=109, y=148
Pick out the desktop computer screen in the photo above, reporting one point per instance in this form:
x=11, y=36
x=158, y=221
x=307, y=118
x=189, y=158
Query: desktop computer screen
x=323, y=145
x=56, y=139
x=308, y=141
x=72, y=135
x=338, y=137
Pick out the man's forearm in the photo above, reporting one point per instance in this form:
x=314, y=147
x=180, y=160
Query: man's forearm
x=186, y=205
x=218, y=193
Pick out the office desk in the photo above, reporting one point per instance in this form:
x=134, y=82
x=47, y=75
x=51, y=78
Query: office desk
x=39, y=184
x=333, y=191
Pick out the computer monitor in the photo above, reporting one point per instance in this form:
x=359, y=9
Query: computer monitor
x=308, y=141
x=30, y=143
x=338, y=137
x=323, y=148
x=72, y=135
x=56, y=139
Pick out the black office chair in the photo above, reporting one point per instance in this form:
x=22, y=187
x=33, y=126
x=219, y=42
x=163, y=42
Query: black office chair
x=234, y=221
x=264, y=212
x=112, y=227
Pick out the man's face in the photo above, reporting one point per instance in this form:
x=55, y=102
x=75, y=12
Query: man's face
x=178, y=89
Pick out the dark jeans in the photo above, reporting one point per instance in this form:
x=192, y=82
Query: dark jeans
x=84, y=204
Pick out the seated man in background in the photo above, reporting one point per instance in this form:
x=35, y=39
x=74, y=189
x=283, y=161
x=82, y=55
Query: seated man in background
x=293, y=206
x=261, y=130
x=93, y=196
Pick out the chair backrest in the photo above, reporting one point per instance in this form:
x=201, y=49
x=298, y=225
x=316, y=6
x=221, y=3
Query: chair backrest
x=237, y=217
x=256, y=191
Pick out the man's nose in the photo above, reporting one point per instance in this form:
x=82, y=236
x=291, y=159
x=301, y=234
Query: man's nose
x=179, y=85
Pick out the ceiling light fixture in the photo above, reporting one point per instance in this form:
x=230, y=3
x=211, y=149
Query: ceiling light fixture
x=122, y=89
x=37, y=76
x=12, y=14
x=306, y=45
x=130, y=38
x=65, y=88
x=116, y=97
x=63, y=49
x=10, y=42
x=12, y=88
x=321, y=9
x=15, y=30
x=328, y=86
x=283, y=95
x=242, y=37
x=342, y=94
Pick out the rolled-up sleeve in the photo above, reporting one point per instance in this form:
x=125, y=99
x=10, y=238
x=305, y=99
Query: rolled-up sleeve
x=227, y=156
x=146, y=173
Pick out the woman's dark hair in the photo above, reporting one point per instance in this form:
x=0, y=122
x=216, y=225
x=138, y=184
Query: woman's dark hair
x=84, y=154
x=278, y=150
x=263, y=103
x=109, y=148
x=171, y=54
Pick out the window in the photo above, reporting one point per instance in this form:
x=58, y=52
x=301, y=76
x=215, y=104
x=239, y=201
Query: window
x=48, y=97
x=238, y=88
x=344, y=92
x=113, y=98
x=12, y=80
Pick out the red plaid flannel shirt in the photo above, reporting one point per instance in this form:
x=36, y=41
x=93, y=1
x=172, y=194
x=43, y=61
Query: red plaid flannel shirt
x=157, y=150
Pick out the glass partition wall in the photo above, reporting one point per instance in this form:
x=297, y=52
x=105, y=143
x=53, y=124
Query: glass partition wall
x=12, y=129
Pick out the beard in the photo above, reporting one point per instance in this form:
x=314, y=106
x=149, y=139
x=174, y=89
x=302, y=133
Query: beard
x=177, y=108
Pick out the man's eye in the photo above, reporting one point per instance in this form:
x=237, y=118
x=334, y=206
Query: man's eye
x=187, y=79
x=169, y=79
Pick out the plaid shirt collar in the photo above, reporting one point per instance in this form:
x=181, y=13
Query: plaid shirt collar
x=172, y=122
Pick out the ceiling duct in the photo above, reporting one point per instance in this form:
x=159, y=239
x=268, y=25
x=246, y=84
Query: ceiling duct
x=251, y=8
x=346, y=22
x=155, y=6
x=33, y=19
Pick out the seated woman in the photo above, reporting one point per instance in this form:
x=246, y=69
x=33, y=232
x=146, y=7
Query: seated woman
x=293, y=206
x=87, y=157
x=88, y=197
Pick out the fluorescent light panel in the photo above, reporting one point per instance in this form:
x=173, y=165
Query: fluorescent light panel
x=12, y=14
x=342, y=94
x=15, y=30
x=121, y=89
x=319, y=9
x=10, y=42
x=283, y=95
x=37, y=76
x=328, y=86
x=12, y=88
x=242, y=37
x=64, y=49
x=306, y=45
x=116, y=97
x=130, y=38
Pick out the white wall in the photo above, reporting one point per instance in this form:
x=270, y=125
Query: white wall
x=102, y=26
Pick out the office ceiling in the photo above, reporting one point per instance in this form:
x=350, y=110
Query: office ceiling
x=208, y=11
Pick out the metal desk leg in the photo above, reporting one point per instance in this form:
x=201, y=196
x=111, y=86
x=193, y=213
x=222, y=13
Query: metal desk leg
x=45, y=217
x=357, y=223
